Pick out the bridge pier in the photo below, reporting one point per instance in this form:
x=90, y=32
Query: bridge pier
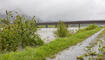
x=79, y=26
x=46, y=26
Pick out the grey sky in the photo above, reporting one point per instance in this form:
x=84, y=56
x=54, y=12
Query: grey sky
x=58, y=9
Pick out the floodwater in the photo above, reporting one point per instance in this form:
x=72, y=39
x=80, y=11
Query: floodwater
x=77, y=50
x=47, y=34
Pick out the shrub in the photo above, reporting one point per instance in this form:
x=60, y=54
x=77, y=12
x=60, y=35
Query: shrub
x=62, y=30
x=50, y=49
x=19, y=34
x=91, y=26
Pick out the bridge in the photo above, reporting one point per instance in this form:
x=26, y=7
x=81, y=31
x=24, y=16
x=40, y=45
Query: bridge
x=73, y=22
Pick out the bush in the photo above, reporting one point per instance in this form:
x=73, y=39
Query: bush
x=62, y=30
x=91, y=26
x=19, y=34
x=50, y=49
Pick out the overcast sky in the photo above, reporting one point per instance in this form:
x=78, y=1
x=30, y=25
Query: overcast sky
x=58, y=9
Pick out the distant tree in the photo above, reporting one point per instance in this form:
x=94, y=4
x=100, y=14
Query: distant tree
x=62, y=29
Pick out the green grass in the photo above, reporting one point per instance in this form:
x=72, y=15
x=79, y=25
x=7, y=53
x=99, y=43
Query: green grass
x=52, y=26
x=50, y=49
x=41, y=26
x=44, y=26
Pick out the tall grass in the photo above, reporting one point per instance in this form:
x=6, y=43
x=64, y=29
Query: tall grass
x=41, y=53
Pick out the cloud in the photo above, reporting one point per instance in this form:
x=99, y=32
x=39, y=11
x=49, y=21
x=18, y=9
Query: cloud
x=59, y=9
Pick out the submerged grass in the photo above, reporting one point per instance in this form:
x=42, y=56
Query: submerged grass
x=41, y=53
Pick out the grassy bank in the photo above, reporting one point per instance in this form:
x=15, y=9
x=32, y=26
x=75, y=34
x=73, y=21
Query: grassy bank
x=44, y=26
x=50, y=49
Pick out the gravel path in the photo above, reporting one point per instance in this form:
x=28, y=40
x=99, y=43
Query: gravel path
x=74, y=51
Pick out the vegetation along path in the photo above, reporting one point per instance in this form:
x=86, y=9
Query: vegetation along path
x=74, y=51
x=52, y=48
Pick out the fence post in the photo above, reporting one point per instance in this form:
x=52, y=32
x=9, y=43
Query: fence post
x=79, y=26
